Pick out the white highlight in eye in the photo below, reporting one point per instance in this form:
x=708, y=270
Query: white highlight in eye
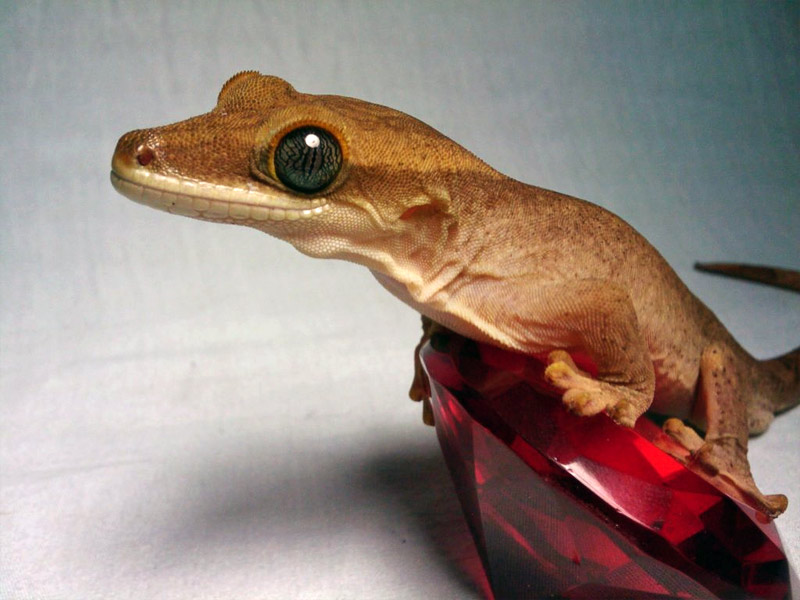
x=312, y=140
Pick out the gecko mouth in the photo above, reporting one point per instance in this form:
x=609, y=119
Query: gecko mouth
x=208, y=201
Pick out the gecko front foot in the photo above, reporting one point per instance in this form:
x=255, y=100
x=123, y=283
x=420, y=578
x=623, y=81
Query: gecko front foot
x=420, y=390
x=586, y=396
x=724, y=463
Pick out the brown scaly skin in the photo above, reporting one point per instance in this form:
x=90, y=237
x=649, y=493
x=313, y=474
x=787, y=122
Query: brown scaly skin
x=479, y=253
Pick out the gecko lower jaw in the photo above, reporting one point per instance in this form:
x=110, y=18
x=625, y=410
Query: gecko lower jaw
x=207, y=201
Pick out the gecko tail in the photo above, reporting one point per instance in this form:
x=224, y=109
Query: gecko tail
x=784, y=278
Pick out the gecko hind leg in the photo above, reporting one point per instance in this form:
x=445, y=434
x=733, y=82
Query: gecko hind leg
x=722, y=454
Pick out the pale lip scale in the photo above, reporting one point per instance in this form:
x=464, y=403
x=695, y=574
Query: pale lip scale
x=204, y=200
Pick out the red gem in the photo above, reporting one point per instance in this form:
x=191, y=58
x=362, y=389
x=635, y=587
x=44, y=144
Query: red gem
x=574, y=507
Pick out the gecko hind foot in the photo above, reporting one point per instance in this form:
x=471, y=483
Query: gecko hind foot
x=724, y=458
x=587, y=396
x=723, y=462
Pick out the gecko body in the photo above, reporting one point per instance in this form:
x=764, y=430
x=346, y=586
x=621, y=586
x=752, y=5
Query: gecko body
x=474, y=251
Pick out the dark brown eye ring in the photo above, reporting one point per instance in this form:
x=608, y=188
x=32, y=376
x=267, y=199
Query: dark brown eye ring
x=307, y=159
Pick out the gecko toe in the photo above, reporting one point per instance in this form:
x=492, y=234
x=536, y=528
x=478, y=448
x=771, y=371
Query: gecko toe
x=624, y=413
x=777, y=503
x=683, y=434
x=583, y=402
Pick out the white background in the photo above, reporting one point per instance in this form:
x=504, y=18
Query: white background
x=195, y=411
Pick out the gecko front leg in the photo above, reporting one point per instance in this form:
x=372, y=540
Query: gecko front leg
x=598, y=319
x=593, y=317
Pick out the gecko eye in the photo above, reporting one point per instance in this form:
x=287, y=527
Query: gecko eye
x=307, y=159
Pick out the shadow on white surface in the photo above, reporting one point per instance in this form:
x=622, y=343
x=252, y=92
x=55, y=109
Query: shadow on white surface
x=243, y=509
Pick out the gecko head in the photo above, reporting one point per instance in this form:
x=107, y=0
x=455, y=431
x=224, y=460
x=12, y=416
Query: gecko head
x=334, y=176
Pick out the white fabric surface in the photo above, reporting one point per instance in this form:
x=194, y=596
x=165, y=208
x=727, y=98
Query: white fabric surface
x=196, y=411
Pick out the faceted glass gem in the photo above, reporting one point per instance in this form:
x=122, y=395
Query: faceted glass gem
x=562, y=506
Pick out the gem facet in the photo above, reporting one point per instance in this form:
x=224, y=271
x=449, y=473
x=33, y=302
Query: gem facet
x=573, y=507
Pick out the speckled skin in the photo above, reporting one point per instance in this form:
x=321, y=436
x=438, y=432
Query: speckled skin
x=489, y=257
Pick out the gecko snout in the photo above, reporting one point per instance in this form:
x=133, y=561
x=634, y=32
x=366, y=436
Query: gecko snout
x=134, y=149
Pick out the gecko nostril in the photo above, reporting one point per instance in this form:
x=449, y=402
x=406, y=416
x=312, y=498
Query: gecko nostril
x=144, y=155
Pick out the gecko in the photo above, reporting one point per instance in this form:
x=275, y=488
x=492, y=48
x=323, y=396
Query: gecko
x=475, y=252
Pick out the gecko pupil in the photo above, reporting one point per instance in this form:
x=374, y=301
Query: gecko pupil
x=308, y=159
